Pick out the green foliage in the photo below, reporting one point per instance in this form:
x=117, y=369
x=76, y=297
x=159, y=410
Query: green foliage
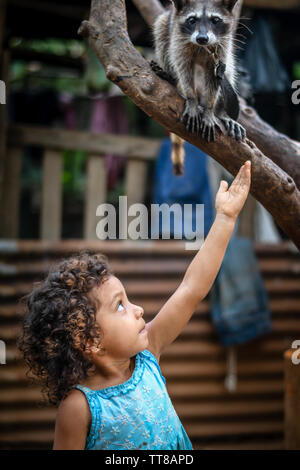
x=74, y=177
x=95, y=77
x=39, y=75
x=31, y=171
x=72, y=48
x=296, y=70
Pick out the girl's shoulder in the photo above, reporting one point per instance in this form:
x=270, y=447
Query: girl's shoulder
x=73, y=413
x=74, y=402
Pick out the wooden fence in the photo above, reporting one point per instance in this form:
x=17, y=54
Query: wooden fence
x=252, y=417
x=137, y=151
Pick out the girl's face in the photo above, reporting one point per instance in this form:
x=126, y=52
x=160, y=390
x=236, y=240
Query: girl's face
x=124, y=332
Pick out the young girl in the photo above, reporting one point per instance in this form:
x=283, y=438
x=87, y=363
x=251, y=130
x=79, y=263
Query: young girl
x=97, y=356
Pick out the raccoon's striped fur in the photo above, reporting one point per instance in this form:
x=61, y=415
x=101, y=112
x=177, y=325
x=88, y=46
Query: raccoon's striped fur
x=191, y=38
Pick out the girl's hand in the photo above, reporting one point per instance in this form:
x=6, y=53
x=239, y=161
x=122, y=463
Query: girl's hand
x=229, y=202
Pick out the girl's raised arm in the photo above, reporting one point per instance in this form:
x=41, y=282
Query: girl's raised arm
x=201, y=273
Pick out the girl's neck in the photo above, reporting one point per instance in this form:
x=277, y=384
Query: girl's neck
x=110, y=373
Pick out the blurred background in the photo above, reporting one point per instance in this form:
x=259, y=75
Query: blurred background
x=71, y=140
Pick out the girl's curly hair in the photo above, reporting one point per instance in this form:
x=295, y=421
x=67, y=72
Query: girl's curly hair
x=60, y=317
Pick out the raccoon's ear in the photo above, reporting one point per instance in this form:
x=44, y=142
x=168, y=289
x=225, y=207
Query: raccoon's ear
x=229, y=4
x=179, y=4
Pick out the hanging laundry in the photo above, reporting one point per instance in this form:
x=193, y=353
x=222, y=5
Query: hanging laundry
x=261, y=58
x=239, y=301
x=99, y=114
x=109, y=116
x=190, y=188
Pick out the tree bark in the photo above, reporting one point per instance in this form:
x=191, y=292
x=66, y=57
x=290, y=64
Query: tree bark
x=282, y=150
x=107, y=34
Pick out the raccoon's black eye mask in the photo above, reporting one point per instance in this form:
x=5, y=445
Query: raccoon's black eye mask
x=216, y=20
x=191, y=22
x=189, y=26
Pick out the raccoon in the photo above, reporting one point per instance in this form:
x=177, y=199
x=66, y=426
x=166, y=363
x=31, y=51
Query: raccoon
x=194, y=47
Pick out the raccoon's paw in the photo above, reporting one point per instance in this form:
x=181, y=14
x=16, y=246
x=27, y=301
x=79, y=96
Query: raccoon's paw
x=209, y=124
x=234, y=129
x=161, y=73
x=192, y=113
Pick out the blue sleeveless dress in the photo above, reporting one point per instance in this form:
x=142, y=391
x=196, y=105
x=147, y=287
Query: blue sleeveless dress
x=137, y=414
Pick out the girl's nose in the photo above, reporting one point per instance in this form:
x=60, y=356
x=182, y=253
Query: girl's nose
x=140, y=311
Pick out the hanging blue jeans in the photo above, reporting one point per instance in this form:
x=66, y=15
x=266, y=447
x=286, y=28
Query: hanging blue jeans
x=239, y=301
x=190, y=188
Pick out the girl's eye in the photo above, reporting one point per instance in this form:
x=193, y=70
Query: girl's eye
x=120, y=304
x=215, y=19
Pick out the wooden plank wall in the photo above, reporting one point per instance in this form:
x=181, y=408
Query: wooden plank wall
x=194, y=365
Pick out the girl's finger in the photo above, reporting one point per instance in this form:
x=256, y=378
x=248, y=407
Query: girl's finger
x=242, y=178
x=247, y=170
x=247, y=165
x=238, y=178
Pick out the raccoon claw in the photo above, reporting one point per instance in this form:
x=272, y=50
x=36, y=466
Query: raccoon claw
x=208, y=133
x=209, y=124
x=192, y=114
x=193, y=124
x=234, y=129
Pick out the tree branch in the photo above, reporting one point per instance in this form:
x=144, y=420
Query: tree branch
x=107, y=34
x=149, y=10
x=282, y=150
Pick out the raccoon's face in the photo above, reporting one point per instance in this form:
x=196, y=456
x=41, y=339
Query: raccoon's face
x=204, y=22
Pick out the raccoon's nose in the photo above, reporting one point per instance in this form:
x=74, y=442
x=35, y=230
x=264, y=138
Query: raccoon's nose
x=202, y=39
